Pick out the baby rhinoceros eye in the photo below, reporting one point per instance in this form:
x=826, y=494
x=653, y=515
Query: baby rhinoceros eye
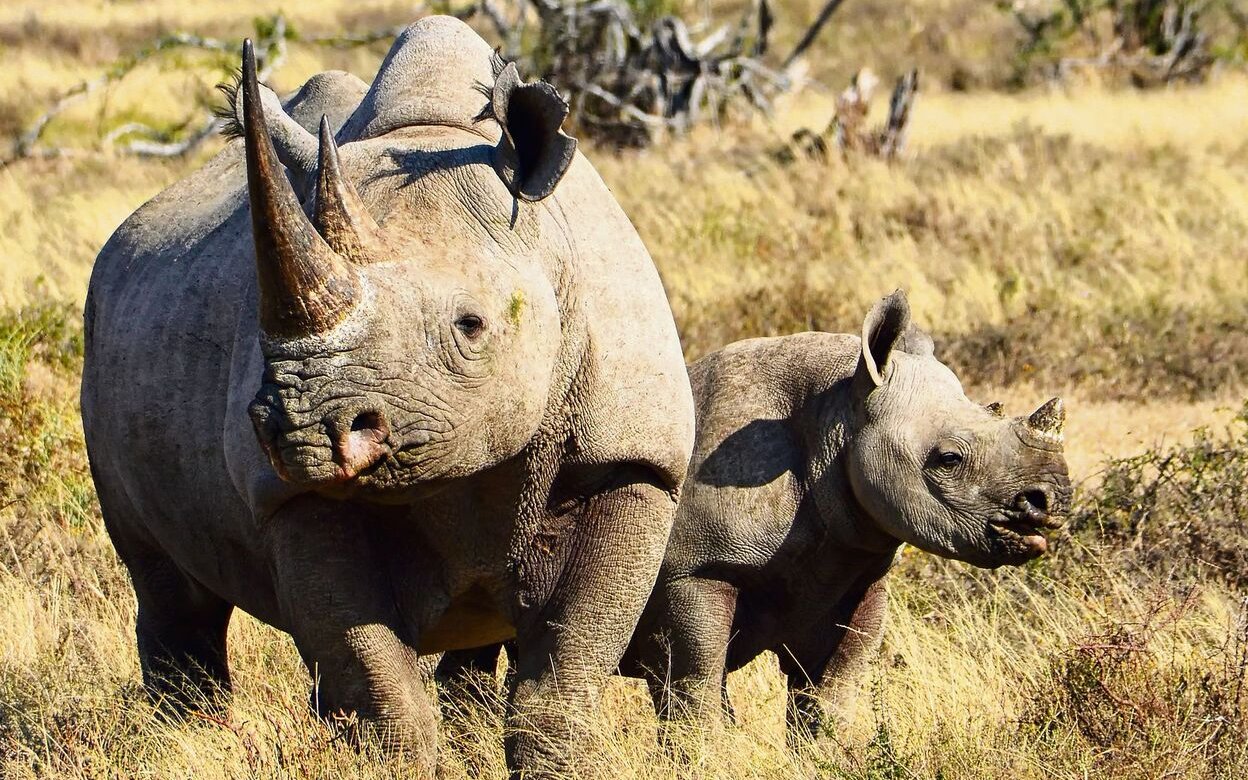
x=470, y=325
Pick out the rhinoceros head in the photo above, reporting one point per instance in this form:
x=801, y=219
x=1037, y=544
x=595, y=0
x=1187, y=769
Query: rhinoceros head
x=420, y=345
x=940, y=472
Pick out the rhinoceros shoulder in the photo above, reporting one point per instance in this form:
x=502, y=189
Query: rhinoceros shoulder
x=635, y=403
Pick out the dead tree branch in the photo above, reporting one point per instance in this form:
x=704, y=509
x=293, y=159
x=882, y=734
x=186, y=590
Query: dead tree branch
x=626, y=83
x=812, y=32
x=1153, y=42
x=849, y=131
x=270, y=52
x=630, y=85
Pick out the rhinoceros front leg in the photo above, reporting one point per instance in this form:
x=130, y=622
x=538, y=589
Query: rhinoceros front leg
x=338, y=603
x=566, y=651
x=826, y=668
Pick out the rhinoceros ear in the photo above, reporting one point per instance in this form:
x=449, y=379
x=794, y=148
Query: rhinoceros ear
x=533, y=153
x=884, y=330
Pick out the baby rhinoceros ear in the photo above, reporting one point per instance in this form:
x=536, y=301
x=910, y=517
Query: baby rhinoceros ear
x=534, y=152
x=884, y=330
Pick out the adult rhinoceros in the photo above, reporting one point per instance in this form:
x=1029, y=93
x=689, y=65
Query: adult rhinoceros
x=441, y=403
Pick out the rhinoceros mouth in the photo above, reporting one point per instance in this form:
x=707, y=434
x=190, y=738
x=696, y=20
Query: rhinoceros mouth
x=1023, y=525
x=389, y=480
x=301, y=464
x=1020, y=534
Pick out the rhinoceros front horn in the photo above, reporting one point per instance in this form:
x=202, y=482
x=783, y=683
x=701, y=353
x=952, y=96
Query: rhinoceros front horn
x=304, y=286
x=1048, y=421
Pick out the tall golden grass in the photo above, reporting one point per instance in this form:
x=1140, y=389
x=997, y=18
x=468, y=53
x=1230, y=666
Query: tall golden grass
x=1084, y=241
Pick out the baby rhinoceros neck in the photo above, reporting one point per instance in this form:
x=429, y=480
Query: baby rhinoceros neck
x=826, y=424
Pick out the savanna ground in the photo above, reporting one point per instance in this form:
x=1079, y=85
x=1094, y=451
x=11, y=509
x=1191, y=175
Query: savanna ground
x=1089, y=240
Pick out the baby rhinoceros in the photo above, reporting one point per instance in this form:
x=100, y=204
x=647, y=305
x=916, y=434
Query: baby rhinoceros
x=816, y=457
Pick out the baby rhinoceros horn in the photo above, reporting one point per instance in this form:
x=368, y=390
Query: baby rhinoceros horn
x=305, y=287
x=1047, y=422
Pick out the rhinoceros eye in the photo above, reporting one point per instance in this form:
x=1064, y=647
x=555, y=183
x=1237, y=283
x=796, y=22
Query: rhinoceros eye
x=949, y=459
x=470, y=325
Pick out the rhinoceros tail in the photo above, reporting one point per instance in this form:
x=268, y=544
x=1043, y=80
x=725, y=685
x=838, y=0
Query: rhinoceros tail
x=227, y=111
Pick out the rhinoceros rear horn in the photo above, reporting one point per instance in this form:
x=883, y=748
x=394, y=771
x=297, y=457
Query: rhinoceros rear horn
x=1048, y=421
x=533, y=153
x=304, y=286
x=340, y=214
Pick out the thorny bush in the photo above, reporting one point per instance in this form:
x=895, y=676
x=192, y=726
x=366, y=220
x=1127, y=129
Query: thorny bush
x=1179, y=512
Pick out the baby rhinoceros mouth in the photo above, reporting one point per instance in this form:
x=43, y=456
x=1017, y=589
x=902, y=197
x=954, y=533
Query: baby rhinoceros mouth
x=1021, y=525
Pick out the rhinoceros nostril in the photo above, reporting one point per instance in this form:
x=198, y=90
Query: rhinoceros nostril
x=1035, y=498
x=368, y=421
x=361, y=444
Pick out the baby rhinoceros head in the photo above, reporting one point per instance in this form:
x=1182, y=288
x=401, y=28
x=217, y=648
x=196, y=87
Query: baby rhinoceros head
x=940, y=472
x=417, y=346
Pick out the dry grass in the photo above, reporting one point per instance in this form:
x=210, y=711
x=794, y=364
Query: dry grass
x=1087, y=242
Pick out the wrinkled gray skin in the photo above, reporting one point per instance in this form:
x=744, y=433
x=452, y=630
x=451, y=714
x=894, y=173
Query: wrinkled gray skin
x=817, y=456
x=447, y=410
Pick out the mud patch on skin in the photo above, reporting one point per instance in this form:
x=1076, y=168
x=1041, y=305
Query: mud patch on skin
x=515, y=307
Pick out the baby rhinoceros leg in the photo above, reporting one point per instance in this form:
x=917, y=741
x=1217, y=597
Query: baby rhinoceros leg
x=825, y=668
x=684, y=659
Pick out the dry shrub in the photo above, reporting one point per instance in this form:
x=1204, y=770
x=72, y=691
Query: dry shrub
x=1175, y=352
x=40, y=355
x=1179, y=513
x=1147, y=705
x=1142, y=42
